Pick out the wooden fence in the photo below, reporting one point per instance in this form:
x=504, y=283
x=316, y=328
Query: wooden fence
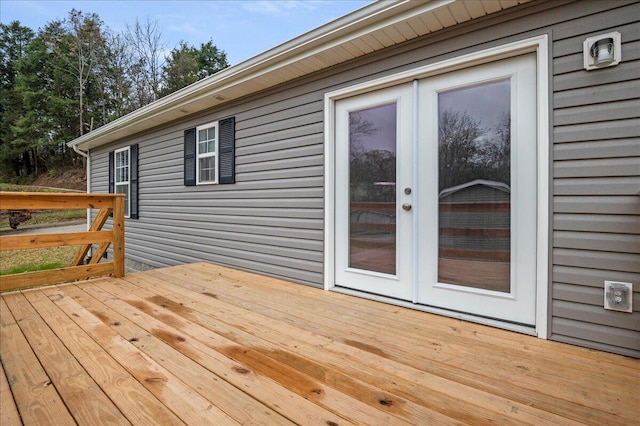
x=109, y=204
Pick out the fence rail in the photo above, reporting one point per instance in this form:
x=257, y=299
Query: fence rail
x=108, y=204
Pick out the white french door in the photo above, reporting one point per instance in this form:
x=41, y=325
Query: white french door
x=477, y=191
x=458, y=231
x=373, y=233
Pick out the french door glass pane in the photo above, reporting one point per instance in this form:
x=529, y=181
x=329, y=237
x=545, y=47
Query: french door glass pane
x=372, y=189
x=474, y=144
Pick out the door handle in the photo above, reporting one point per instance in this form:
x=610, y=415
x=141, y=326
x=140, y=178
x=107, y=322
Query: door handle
x=406, y=206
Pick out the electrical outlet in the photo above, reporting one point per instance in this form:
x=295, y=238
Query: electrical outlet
x=618, y=296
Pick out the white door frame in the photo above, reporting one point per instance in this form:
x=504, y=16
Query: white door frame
x=537, y=44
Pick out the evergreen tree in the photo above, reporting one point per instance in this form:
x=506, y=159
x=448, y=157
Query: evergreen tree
x=186, y=65
x=14, y=39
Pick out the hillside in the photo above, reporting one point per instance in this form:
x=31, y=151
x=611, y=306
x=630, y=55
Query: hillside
x=69, y=179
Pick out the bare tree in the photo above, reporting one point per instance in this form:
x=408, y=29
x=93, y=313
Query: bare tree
x=146, y=47
x=359, y=126
x=117, y=82
x=459, y=148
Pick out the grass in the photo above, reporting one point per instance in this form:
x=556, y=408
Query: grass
x=18, y=261
x=32, y=268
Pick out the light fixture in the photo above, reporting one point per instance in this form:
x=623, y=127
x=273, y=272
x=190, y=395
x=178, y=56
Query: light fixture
x=602, y=51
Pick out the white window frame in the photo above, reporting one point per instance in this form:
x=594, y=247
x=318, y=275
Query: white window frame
x=208, y=154
x=127, y=183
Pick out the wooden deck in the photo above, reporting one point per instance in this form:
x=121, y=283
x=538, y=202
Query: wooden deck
x=205, y=345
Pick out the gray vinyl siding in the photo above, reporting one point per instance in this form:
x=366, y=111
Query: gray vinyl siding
x=271, y=220
x=596, y=182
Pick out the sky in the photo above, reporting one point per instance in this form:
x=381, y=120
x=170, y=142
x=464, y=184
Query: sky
x=242, y=28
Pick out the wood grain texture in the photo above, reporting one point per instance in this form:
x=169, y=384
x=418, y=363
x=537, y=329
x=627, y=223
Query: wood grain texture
x=22, y=242
x=70, y=273
x=199, y=342
x=8, y=411
x=36, y=398
x=85, y=400
x=58, y=201
x=96, y=225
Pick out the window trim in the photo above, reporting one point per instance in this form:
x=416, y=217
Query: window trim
x=116, y=184
x=216, y=153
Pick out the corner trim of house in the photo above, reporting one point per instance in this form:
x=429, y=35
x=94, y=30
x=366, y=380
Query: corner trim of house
x=542, y=262
x=329, y=191
x=538, y=44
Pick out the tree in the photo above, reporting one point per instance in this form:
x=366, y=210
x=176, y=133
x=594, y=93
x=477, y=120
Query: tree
x=47, y=109
x=86, y=50
x=186, y=65
x=145, y=47
x=14, y=39
x=210, y=60
x=116, y=85
x=181, y=69
x=75, y=75
x=469, y=151
x=59, y=81
x=497, y=155
x=458, y=151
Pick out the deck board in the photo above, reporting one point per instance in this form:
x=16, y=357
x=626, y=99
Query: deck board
x=203, y=344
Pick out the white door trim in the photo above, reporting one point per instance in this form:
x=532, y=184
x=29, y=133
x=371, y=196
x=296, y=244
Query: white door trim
x=538, y=44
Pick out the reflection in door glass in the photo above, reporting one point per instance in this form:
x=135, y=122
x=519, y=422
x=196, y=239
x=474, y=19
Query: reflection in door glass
x=474, y=141
x=372, y=189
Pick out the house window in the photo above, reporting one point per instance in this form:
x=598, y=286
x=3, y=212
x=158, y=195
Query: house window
x=122, y=182
x=209, y=153
x=123, y=177
x=207, y=146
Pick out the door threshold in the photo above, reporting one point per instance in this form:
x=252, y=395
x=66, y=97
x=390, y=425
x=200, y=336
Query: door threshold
x=492, y=322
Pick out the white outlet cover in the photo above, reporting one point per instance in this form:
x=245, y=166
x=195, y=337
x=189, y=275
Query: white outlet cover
x=618, y=296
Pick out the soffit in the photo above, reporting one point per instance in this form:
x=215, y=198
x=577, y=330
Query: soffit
x=369, y=29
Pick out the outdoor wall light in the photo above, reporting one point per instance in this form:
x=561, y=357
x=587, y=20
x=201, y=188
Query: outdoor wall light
x=602, y=51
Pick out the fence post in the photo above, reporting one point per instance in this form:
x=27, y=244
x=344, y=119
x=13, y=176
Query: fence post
x=118, y=236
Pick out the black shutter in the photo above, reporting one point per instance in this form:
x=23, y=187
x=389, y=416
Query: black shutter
x=133, y=180
x=190, y=157
x=112, y=174
x=227, y=154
